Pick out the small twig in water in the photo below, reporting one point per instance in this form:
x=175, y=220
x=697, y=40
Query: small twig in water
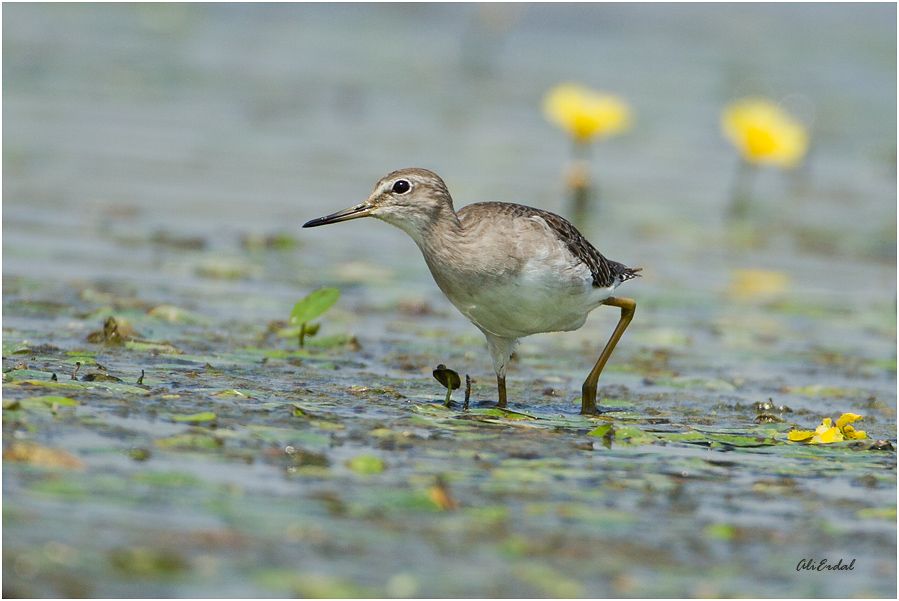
x=467, y=392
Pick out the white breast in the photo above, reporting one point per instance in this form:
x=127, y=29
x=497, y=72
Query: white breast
x=550, y=291
x=530, y=304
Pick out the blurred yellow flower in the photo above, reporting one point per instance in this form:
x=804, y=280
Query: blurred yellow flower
x=757, y=284
x=586, y=114
x=827, y=432
x=764, y=133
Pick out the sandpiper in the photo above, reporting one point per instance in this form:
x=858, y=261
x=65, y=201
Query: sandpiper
x=511, y=269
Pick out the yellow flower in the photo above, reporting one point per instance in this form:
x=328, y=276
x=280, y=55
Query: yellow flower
x=764, y=133
x=827, y=432
x=586, y=114
x=847, y=418
x=849, y=431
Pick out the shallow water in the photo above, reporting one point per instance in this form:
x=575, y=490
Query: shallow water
x=143, y=143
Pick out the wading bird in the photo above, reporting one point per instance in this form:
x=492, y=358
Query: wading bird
x=511, y=269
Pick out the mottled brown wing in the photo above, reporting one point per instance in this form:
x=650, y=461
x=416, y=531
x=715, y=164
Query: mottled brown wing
x=605, y=272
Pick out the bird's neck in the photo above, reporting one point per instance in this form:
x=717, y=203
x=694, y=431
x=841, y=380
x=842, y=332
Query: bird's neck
x=440, y=234
x=435, y=231
x=443, y=241
x=447, y=251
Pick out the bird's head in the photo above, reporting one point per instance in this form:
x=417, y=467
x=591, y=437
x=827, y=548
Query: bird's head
x=410, y=199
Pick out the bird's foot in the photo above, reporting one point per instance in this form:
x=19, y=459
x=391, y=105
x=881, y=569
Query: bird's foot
x=588, y=404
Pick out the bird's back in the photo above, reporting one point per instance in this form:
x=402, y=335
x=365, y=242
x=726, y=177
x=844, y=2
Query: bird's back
x=514, y=270
x=494, y=215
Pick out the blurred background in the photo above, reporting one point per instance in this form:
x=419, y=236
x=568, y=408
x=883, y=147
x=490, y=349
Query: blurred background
x=225, y=119
x=168, y=153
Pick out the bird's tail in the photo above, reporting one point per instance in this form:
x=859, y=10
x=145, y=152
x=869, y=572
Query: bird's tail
x=625, y=273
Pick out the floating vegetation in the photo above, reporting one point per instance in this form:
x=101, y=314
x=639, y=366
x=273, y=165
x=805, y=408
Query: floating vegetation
x=298, y=444
x=186, y=450
x=196, y=418
x=366, y=465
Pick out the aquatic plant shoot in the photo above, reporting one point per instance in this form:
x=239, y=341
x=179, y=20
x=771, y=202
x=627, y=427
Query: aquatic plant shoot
x=314, y=305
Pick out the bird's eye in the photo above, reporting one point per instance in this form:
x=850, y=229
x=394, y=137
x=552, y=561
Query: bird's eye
x=401, y=186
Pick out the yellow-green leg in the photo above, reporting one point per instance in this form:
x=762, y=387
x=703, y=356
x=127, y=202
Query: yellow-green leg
x=588, y=398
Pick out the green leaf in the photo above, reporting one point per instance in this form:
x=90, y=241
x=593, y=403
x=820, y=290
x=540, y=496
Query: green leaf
x=230, y=392
x=314, y=305
x=366, y=464
x=48, y=401
x=152, y=347
x=17, y=375
x=327, y=342
x=168, y=479
x=147, y=562
x=721, y=531
x=205, y=416
x=600, y=431
x=877, y=513
x=503, y=413
x=310, y=585
x=623, y=435
x=189, y=441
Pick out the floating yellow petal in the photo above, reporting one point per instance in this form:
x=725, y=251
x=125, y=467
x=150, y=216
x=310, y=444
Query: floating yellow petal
x=800, y=435
x=852, y=434
x=827, y=435
x=847, y=418
x=586, y=114
x=764, y=133
x=827, y=432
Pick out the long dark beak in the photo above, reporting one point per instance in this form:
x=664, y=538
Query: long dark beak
x=360, y=210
